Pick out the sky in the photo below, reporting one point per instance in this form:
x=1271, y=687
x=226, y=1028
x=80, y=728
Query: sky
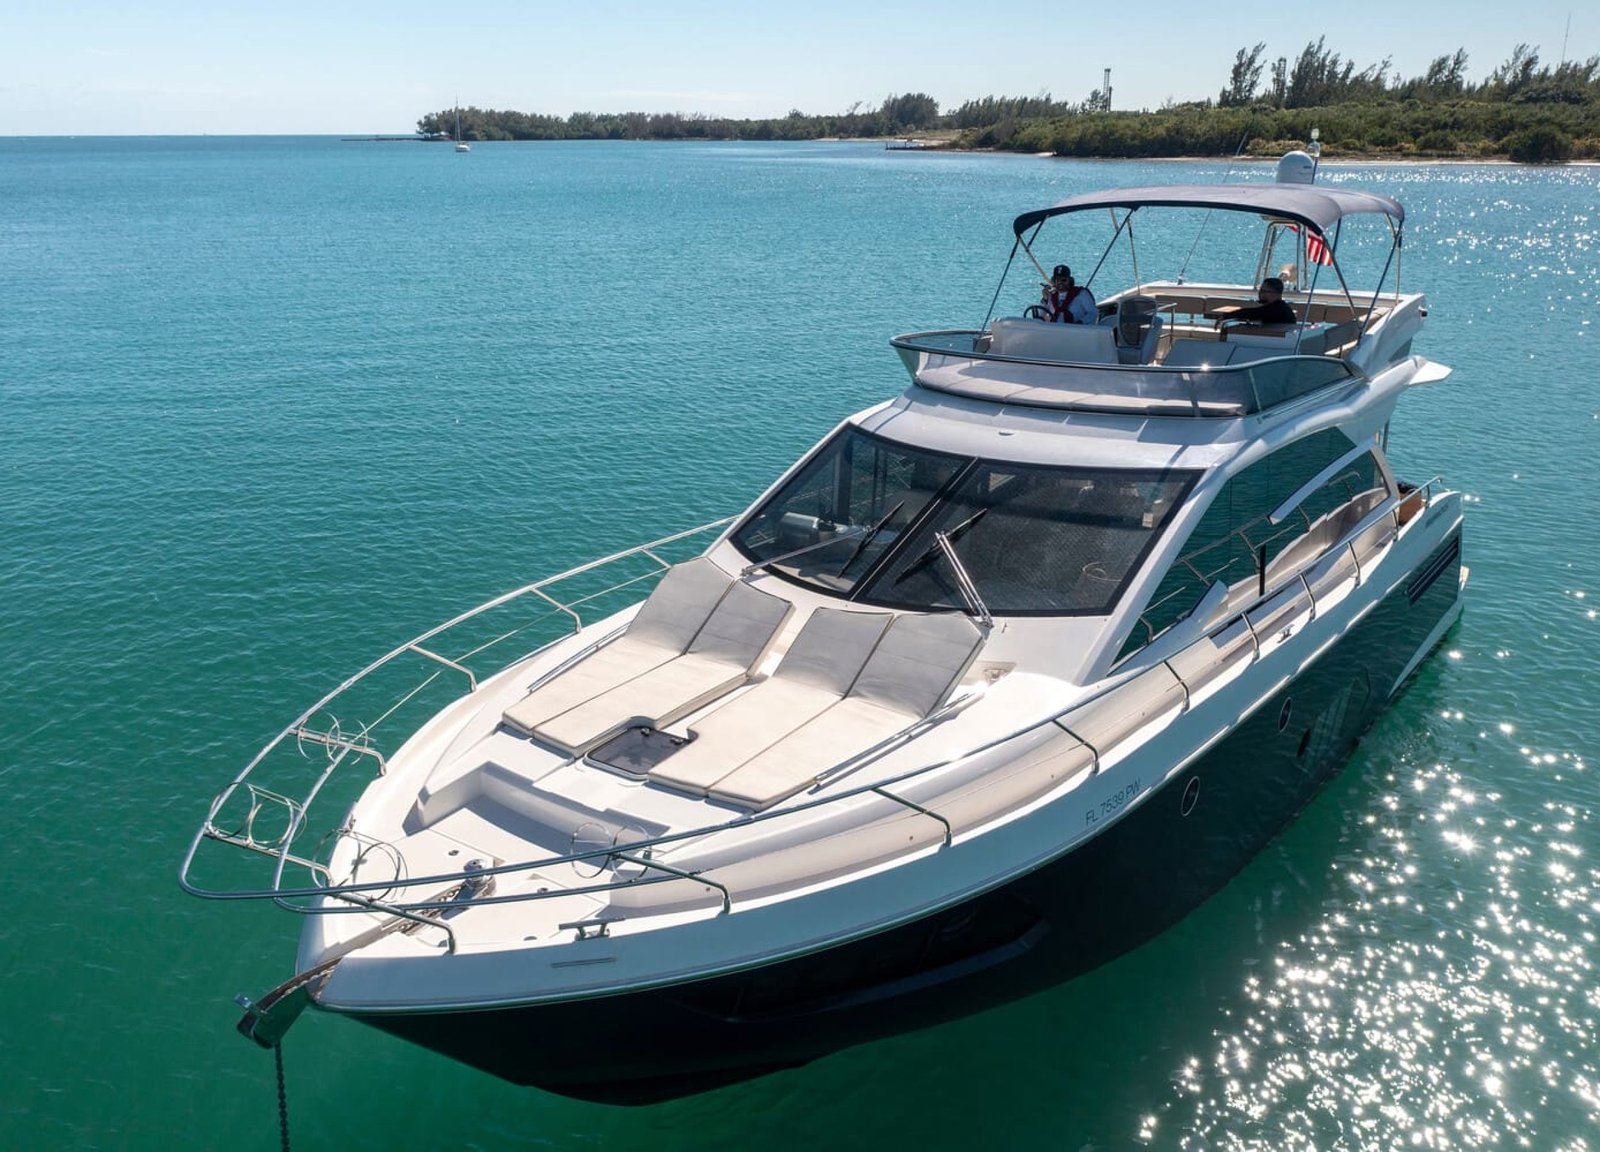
x=165, y=67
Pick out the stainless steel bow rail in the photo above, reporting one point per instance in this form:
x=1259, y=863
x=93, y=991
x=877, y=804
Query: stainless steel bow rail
x=270, y=822
x=265, y=819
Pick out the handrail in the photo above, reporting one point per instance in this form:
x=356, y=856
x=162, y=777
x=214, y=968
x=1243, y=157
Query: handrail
x=297, y=727
x=416, y=918
x=1311, y=486
x=1093, y=751
x=647, y=862
x=915, y=807
x=472, y=681
x=1181, y=682
x=639, y=852
x=327, y=740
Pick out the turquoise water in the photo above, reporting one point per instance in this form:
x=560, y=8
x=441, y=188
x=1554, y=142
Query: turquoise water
x=269, y=407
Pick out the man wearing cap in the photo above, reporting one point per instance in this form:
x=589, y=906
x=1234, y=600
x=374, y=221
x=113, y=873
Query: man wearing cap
x=1270, y=306
x=1065, y=302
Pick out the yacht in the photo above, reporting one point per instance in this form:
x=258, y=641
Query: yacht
x=1005, y=676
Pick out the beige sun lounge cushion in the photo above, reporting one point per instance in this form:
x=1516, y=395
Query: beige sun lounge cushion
x=920, y=659
x=817, y=670
x=724, y=655
x=664, y=627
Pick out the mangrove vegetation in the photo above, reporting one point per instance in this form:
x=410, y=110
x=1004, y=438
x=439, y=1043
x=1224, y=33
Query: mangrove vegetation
x=1522, y=109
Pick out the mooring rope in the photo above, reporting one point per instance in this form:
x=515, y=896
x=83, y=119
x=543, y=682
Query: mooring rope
x=283, y=1098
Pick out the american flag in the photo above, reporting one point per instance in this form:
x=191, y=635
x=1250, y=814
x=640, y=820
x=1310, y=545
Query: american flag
x=1317, y=248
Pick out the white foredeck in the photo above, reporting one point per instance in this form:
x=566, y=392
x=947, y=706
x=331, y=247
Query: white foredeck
x=1012, y=740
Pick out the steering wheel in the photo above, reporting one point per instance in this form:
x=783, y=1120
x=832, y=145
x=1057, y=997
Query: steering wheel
x=1036, y=312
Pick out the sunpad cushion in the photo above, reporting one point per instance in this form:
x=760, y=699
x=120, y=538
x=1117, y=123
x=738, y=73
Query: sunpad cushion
x=741, y=729
x=722, y=657
x=655, y=698
x=918, y=662
x=680, y=604
x=913, y=668
x=819, y=667
x=664, y=626
x=847, y=729
x=832, y=647
x=742, y=627
x=618, y=662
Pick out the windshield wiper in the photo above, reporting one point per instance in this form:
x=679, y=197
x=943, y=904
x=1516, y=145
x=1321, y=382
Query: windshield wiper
x=861, y=545
x=934, y=551
x=812, y=547
x=968, y=588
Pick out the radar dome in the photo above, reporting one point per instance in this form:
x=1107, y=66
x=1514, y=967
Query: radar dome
x=1297, y=168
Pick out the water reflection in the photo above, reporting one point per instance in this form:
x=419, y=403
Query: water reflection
x=1447, y=999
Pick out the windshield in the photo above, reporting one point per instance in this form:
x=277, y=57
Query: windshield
x=860, y=520
x=833, y=520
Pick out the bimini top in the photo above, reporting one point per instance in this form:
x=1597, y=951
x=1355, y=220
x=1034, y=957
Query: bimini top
x=1316, y=206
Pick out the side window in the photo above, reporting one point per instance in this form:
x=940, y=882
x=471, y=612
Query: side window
x=1225, y=544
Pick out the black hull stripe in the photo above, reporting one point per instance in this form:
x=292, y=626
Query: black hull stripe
x=1446, y=557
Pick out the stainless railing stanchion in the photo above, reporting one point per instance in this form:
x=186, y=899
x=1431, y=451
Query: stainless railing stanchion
x=915, y=807
x=472, y=681
x=646, y=862
x=1093, y=751
x=1167, y=664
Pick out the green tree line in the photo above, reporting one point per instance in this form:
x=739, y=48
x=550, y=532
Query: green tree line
x=1522, y=108
x=897, y=116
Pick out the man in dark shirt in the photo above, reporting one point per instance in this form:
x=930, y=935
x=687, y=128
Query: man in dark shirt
x=1272, y=309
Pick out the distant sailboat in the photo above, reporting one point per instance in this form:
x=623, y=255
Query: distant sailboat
x=461, y=145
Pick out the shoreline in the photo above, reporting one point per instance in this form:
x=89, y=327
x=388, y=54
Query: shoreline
x=888, y=143
x=1247, y=157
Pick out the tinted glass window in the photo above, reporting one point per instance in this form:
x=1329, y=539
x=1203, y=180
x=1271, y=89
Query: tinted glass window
x=1034, y=539
x=841, y=513
x=1225, y=544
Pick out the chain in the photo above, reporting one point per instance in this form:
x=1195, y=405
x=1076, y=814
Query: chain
x=283, y=1098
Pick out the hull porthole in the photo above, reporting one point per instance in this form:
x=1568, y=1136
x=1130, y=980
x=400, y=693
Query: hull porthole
x=1191, y=796
x=1283, y=714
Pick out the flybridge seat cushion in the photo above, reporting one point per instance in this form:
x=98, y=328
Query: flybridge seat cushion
x=910, y=672
x=664, y=627
x=1138, y=329
x=1144, y=351
x=816, y=672
x=1281, y=338
x=1201, y=353
x=1062, y=343
x=723, y=655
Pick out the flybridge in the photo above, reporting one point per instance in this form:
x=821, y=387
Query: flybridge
x=1172, y=347
x=1069, y=367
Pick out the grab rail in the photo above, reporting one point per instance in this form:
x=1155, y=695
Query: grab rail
x=472, y=681
x=339, y=745
x=640, y=852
